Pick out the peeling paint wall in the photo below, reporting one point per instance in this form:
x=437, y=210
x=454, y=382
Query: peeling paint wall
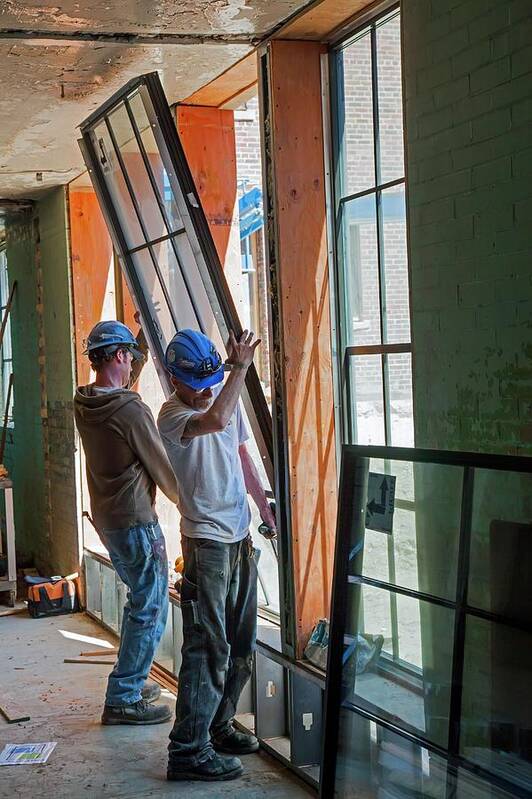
x=58, y=355
x=468, y=80
x=25, y=455
x=41, y=454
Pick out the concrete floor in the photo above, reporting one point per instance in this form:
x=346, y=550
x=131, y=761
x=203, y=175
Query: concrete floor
x=64, y=702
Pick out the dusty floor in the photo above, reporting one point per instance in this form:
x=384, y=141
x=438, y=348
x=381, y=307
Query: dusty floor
x=64, y=702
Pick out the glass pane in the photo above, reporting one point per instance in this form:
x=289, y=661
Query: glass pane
x=138, y=175
x=361, y=272
x=390, y=100
x=114, y=179
x=177, y=290
x=154, y=156
x=109, y=604
x=397, y=292
x=419, y=699
x=164, y=324
x=496, y=728
x=376, y=763
x=501, y=547
x=424, y=529
x=93, y=586
x=366, y=399
x=165, y=652
x=355, y=117
x=400, y=399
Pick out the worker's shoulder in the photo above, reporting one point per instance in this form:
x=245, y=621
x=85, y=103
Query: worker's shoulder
x=135, y=406
x=172, y=410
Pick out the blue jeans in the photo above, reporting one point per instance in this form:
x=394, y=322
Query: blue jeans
x=219, y=609
x=139, y=557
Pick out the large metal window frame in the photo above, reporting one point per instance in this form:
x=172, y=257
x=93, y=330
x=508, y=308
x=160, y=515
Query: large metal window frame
x=194, y=225
x=338, y=200
x=351, y=524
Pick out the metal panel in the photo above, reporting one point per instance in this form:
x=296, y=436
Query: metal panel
x=270, y=698
x=305, y=721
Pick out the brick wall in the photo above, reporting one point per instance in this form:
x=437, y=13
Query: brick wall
x=468, y=83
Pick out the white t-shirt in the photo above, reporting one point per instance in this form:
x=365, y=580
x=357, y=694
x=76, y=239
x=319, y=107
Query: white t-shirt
x=210, y=482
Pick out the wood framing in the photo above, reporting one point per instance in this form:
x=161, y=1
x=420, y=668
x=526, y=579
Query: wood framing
x=302, y=327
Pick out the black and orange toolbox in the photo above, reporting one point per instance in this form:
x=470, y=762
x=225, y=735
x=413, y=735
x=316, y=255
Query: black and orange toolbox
x=52, y=596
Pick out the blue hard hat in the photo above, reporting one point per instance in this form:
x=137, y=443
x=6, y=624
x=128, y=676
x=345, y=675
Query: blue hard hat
x=193, y=359
x=112, y=335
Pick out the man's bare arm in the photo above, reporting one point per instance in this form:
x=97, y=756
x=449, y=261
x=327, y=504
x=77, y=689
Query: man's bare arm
x=254, y=487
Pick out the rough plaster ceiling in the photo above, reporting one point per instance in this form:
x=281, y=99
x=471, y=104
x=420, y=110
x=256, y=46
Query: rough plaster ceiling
x=47, y=88
x=139, y=16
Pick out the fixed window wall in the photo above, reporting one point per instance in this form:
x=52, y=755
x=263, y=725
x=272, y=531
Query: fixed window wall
x=371, y=283
x=452, y=718
x=372, y=286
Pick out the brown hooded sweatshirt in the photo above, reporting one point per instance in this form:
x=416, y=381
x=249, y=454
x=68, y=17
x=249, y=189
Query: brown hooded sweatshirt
x=125, y=457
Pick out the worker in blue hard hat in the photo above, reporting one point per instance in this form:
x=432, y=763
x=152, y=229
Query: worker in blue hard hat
x=205, y=437
x=125, y=462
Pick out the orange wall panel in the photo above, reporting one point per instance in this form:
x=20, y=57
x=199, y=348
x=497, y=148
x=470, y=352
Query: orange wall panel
x=208, y=139
x=92, y=260
x=297, y=150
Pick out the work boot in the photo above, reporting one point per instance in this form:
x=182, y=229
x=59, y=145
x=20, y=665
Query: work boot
x=234, y=742
x=151, y=692
x=138, y=713
x=216, y=767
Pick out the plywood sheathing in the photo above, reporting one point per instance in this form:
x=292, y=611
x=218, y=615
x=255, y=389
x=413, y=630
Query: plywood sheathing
x=229, y=84
x=305, y=327
x=319, y=22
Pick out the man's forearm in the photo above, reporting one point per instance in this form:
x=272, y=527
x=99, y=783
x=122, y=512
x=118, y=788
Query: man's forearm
x=254, y=486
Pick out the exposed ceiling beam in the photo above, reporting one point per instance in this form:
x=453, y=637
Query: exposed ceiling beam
x=130, y=38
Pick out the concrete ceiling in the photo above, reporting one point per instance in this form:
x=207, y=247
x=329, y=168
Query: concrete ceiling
x=49, y=85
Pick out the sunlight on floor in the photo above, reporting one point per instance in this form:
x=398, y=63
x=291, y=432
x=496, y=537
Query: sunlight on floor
x=86, y=639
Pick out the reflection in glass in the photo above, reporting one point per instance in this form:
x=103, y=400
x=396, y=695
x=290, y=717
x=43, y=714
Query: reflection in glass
x=370, y=679
x=401, y=412
x=166, y=195
x=164, y=325
x=496, y=730
x=390, y=100
x=361, y=271
x=117, y=187
x=356, y=124
x=138, y=174
x=375, y=763
x=367, y=403
x=501, y=556
x=397, y=295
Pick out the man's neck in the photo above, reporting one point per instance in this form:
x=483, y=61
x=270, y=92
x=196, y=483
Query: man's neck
x=108, y=380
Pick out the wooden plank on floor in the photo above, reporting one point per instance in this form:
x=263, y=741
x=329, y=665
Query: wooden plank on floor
x=12, y=711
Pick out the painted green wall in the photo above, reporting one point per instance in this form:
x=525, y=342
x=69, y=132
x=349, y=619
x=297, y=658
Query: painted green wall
x=468, y=83
x=42, y=452
x=55, y=279
x=25, y=455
